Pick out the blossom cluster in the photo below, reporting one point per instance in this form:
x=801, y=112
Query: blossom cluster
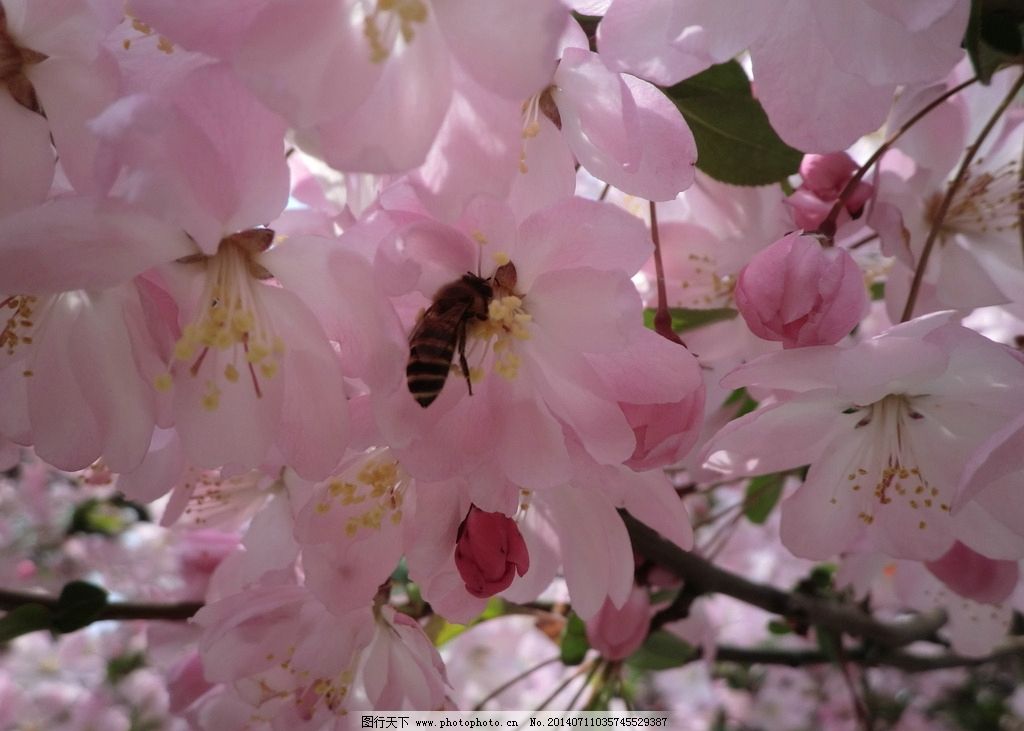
x=355, y=290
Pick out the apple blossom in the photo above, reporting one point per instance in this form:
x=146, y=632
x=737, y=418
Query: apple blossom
x=489, y=551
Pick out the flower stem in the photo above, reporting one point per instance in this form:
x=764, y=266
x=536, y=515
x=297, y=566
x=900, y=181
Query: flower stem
x=828, y=226
x=947, y=201
x=662, y=317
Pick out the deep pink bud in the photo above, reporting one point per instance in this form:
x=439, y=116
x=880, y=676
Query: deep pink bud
x=617, y=633
x=489, y=552
x=827, y=175
x=800, y=293
x=824, y=178
x=974, y=576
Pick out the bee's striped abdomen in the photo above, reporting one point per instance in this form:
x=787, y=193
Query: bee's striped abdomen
x=430, y=360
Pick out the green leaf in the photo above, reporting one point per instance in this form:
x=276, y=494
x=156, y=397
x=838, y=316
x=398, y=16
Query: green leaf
x=762, y=495
x=778, y=627
x=877, y=291
x=741, y=399
x=662, y=650
x=24, y=619
x=995, y=35
x=574, y=641
x=120, y=667
x=684, y=319
x=80, y=604
x=735, y=141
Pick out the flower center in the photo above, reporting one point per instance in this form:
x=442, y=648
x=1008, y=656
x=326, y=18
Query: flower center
x=886, y=471
x=13, y=62
x=232, y=320
x=389, y=20
x=145, y=31
x=506, y=325
x=988, y=201
x=378, y=485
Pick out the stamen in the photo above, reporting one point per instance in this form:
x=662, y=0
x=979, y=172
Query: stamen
x=389, y=20
x=234, y=317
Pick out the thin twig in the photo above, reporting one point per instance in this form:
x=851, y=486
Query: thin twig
x=947, y=201
x=512, y=681
x=828, y=226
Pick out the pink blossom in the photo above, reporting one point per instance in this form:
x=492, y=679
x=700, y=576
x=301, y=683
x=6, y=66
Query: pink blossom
x=886, y=426
x=794, y=45
x=489, y=552
x=800, y=293
x=402, y=669
x=537, y=362
x=617, y=632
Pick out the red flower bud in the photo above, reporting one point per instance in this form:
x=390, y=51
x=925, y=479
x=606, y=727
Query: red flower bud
x=489, y=551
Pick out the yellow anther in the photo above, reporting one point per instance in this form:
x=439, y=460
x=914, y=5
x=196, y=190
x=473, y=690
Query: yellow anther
x=231, y=373
x=163, y=382
x=500, y=258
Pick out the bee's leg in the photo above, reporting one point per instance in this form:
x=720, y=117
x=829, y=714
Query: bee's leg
x=461, y=337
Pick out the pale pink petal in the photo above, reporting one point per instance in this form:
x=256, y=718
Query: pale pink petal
x=599, y=116
x=898, y=56
x=577, y=233
x=312, y=432
x=773, y=439
x=665, y=41
x=669, y=153
x=62, y=27
x=73, y=93
x=812, y=104
x=596, y=553
x=508, y=47
x=205, y=155
x=123, y=403
x=532, y=448
x=339, y=287
x=65, y=431
x=914, y=14
x=796, y=370
x=650, y=498
x=999, y=455
x=563, y=302
x=547, y=174
x=215, y=27
x=68, y=244
x=159, y=471
x=308, y=61
x=26, y=157
x=822, y=518
x=476, y=150
x=394, y=128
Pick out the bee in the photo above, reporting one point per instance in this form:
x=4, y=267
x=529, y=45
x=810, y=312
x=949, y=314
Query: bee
x=443, y=328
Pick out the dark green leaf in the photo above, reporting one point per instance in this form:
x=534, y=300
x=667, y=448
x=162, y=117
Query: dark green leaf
x=24, y=619
x=662, y=650
x=742, y=401
x=574, y=641
x=684, y=319
x=762, y=494
x=80, y=603
x=778, y=627
x=120, y=667
x=877, y=291
x=735, y=142
x=995, y=35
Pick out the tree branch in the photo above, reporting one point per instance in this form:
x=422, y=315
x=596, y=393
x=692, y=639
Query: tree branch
x=176, y=611
x=703, y=577
x=906, y=661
